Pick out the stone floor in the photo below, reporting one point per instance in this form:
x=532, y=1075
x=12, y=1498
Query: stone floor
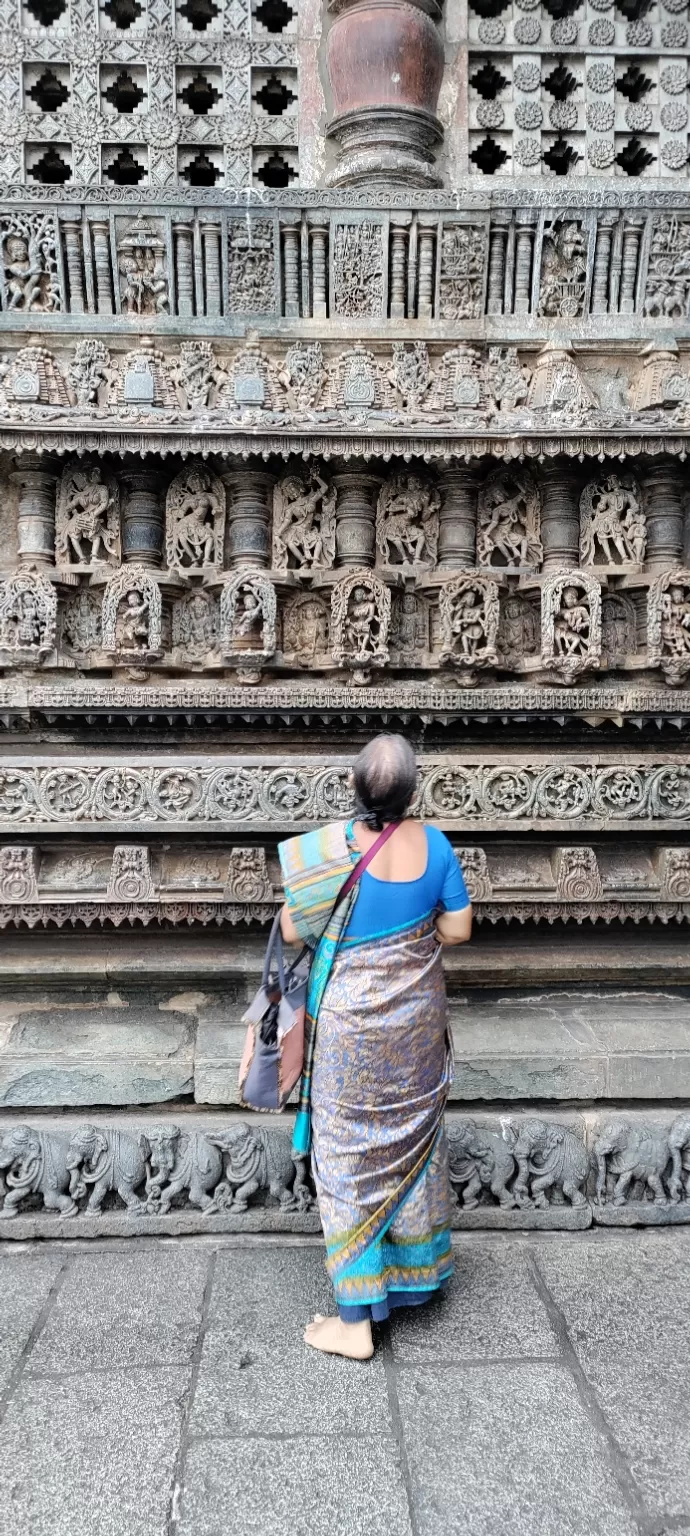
x=162, y=1389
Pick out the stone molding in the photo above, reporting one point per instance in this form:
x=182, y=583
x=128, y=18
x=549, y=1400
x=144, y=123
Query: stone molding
x=136, y=1177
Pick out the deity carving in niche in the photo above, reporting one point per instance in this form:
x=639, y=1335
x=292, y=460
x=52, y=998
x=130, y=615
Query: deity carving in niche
x=306, y=628
x=460, y=382
x=92, y=374
x=613, y=530
x=557, y=384
x=563, y=270
x=618, y=628
x=248, y=616
x=29, y=260
x=409, y=637
x=195, y=375
x=195, y=626
x=407, y=522
x=87, y=519
x=508, y=521
x=28, y=615
x=81, y=623
x=195, y=521
x=411, y=376
x=304, y=375
x=508, y=379
x=571, y=623
x=360, y=614
x=668, y=624
x=141, y=264
x=304, y=522
x=469, y=610
x=519, y=629
x=132, y=613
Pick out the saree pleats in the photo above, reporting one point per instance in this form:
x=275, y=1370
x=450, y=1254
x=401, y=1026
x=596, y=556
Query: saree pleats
x=380, y=1078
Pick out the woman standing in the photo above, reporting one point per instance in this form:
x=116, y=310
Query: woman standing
x=377, y=1059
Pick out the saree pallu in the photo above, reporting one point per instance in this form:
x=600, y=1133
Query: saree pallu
x=381, y=1073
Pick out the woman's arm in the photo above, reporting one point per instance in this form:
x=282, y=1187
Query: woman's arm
x=454, y=927
x=287, y=926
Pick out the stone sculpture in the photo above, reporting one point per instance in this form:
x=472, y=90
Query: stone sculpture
x=248, y=617
x=28, y=616
x=360, y=620
x=478, y=1160
x=195, y=627
x=571, y=623
x=679, y=1148
x=195, y=521
x=508, y=532
x=142, y=268
x=28, y=245
x=407, y=523
x=130, y=874
x=247, y=876
x=87, y=519
x=613, y=530
x=34, y=1162
x=551, y=1159
x=180, y=1163
x=92, y=374
x=469, y=610
x=304, y=522
x=256, y=1160
x=107, y=1161
x=132, y=613
x=306, y=627
x=627, y=1153
x=18, y=874
x=668, y=624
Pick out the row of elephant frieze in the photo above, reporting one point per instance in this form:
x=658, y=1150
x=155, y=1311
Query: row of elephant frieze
x=562, y=626
x=521, y=1171
x=404, y=384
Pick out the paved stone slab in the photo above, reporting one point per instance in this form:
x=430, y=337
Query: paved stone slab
x=140, y=1307
x=25, y=1282
x=506, y=1449
x=91, y=1455
x=617, y=1298
x=256, y=1372
x=647, y=1404
x=491, y=1308
x=295, y=1487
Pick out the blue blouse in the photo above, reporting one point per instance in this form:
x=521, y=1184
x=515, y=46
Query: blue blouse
x=384, y=906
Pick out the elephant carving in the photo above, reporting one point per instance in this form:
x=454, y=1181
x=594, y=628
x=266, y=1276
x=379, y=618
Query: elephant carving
x=478, y=1160
x=625, y=1152
x=550, y=1158
x=256, y=1160
x=107, y=1160
x=679, y=1146
x=181, y=1162
x=35, y=1163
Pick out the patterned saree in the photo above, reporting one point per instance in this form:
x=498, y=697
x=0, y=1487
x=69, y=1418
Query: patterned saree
x=376, y=1078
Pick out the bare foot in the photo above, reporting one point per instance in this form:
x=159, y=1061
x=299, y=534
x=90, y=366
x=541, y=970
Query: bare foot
x=337, y=1338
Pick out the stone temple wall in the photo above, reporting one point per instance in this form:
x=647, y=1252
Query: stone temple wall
x=344, y=384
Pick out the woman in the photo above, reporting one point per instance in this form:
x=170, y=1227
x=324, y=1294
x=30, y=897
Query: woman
x=377, y=1059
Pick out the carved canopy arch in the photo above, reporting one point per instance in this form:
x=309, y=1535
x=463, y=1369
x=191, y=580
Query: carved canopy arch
x=132, y=612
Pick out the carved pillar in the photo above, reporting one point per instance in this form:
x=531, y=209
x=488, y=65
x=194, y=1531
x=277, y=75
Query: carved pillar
x=210, y=237
x=500, y=224
x=319, y=285
x=524, y=243
x=560, y=516
x=425, y=267
x=248, y=522
x=399, y=236
x=36, y=513
x=75, y=270
x=459, y=485
x=662, y=486
x=184, y=267
x=385, y=63
x=142, y=518
x=355, y=513
x=602, y=261
x=291, y=234
x=101, y=259
x=631, y=247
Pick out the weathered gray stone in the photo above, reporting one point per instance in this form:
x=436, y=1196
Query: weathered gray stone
x=647, y=1404
x=490, y=1310
x=92, y=1453
x=105, y=1056
x=495, y=1448
x=246, y=1488
x=621, y=1293
x=25, y=1284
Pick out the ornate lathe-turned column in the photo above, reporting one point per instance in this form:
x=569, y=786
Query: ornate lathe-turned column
x=142, y=517
x=36, y=480
x=663, y=491
x=459, y=487
x=355, y=514
x=560, y=516
x=248, y=516
x=385, y=64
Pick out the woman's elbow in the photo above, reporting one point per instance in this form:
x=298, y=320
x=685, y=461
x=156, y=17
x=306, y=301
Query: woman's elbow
x=454, y=927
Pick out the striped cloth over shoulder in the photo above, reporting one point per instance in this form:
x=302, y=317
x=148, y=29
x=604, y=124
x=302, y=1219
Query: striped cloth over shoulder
x=314, y=868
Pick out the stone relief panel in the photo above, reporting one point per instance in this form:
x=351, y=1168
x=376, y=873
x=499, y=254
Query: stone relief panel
x=130, y=874
x=28, y=617
x=195, y=521
x=143, y=268
x=248, y=613
x=87, y=519
x=577, y=875
x=80, y=629
x=461, y=275
x=613, y=526
x=132, y=613
x=508, y=521
x=358, y=269
x=306, y=629
x=92, y=375
x=618, y=628
x=407, y=523
x=668, y=624
x=410, y=637
x=28, y=246
x=475, y=869
x=563, y=270
x=304, y=522
x=196, y=628
x=571, y=624
x=469, y=610
x=674, y=874
x=252, y=285
x=360, y=621
x=18, y=874
x=247, y=877
x=519, y=630
x=667, y=288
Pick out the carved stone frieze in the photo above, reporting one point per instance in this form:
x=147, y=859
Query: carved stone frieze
x=360, y=622
x=668, y=624
x=304, y=522
x=508, y=521
x=571, y=623
x=87, y=519
x=613, y=527
x=132, y=613
x=195, y=521
x=469, y=612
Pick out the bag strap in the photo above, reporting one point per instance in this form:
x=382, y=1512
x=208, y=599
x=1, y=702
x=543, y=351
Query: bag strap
x=364, y=862
x=275, y=943
x=273, y=939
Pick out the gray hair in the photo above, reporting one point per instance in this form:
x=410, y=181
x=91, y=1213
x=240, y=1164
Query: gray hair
x=385, y=776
